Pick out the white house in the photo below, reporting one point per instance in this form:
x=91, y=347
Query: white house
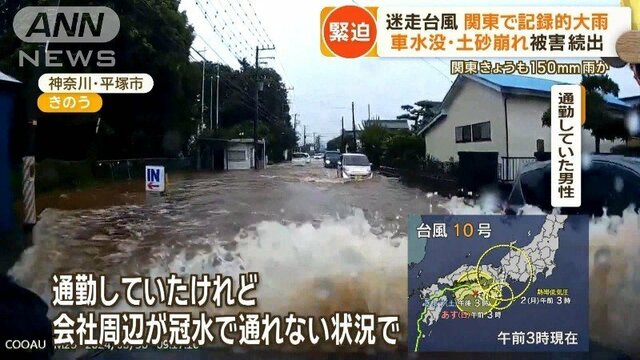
x=499, y=113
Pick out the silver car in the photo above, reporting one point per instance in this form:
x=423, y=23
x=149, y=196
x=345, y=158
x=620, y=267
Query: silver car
x=300, y=159
x=354, y=167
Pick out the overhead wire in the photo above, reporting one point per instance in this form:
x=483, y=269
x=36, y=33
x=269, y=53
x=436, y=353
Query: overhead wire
x=226, y=34
x=239, y=53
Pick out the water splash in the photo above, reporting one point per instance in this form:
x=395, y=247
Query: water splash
x=317, y=267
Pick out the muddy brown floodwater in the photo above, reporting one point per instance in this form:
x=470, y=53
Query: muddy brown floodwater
x=320, y=244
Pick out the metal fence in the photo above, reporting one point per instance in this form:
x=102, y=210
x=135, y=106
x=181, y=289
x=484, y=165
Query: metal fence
x=134, y=168
x=509, y=167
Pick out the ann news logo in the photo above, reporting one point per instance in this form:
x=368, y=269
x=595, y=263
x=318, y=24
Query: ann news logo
x=66, y=24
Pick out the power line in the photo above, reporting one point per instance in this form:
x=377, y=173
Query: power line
x=213, y=27
x=235, y=36
x=257, y=31
x=230, y=39
x=211, y=48
x=251, y=26
x=225, y=19
x=438, y=70
x=245, y=100
x=253, y=10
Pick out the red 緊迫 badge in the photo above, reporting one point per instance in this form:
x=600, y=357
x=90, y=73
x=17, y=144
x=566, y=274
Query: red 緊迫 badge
x=348, y=32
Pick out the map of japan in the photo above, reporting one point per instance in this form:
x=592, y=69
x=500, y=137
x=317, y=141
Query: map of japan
x=498, y=283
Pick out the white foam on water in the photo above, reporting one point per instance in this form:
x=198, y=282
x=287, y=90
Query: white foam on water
x=316, y=268
x=343, y=264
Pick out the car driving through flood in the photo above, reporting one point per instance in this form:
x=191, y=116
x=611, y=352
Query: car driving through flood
x=354, y=167
x=331, y=159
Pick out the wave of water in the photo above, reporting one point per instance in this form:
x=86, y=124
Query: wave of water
x=337, y=264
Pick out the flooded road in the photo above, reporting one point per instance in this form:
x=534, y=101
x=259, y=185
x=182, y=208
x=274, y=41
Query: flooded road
x=299, y=227
x=320, y=245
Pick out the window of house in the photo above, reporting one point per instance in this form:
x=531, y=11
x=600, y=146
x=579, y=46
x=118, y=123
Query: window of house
x=237, y=155
x=463, y=134
x=481, y=131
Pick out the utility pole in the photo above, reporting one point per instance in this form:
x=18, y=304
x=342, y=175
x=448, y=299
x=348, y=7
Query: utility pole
x=255, y=120
x=217, y=95
x=211, y=103
x=304, y=137
x=314, y=142
x=353, y=119
x=295, y=132
x=204, y=63
x=369, y=111
x=342, y=137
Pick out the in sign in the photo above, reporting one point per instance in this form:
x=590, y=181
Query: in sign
x=154, y=178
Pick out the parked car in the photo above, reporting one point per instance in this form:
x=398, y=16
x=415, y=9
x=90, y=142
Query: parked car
x=300, y=159
x=354, y=167
x=318, y=156
x=608, y=181
x=331, y=159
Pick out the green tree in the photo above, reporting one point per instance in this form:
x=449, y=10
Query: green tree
x=599, y=118
x=373, y=138
x=154, y=38
x=404, y=150
x=237, y=107
x=420, y=113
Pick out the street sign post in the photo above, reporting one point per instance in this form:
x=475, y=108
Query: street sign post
x=154, y=179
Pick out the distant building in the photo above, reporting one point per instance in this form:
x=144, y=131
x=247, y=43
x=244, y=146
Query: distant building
x=500, y=113
x=396, y=124
x=393, y=125
x=234, y=154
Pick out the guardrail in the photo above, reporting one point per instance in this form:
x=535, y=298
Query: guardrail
x=389, y=171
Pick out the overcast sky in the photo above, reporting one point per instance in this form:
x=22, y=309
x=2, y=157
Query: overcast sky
x=323, y=88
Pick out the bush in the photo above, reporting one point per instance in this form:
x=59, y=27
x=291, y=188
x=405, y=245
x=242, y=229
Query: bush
x=404, y=151
x=56, y=174
x=432, y=166
x=373, y=140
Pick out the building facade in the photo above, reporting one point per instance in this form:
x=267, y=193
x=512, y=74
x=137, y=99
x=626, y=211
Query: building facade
x=499, y=113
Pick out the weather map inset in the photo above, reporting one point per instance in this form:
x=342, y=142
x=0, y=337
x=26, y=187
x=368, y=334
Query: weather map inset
x=498, y=283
